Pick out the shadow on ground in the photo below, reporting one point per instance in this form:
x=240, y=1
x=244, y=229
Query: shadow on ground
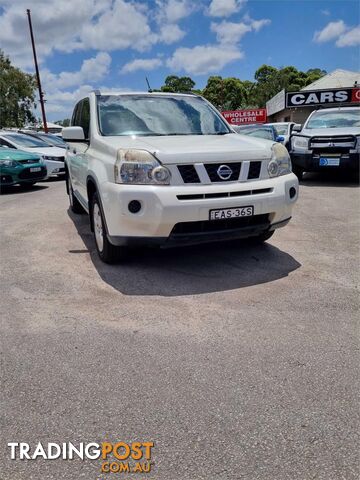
x=191, y=270
x=16, y=189
x=335, y=178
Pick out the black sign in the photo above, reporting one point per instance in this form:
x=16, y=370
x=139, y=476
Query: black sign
x=320, y=97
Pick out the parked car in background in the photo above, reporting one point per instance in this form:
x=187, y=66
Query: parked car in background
x=23, y=168
x=267, y=132
x=49, y=138
x=329, y=140
x=283, y=130
x=53, y=156
x=166, y=169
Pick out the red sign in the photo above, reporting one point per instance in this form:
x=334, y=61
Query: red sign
x=355, y=95
x=240, y=117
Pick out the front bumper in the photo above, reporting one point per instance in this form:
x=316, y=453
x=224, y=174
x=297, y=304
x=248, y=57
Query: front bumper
x=55, y=167
x=164, y=207
x=309, y=161
x=21, y=175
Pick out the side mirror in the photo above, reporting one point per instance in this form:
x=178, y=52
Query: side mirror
x=297, y=127
x=280, y=138
x=73, y=134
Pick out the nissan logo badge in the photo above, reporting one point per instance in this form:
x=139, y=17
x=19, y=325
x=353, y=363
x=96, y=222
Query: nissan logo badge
x=224, y=172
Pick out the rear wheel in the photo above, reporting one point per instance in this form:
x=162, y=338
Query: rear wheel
x=75, y=205
x=108, y=252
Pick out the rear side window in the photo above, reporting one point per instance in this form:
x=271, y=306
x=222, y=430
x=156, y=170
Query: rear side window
x=81, y=116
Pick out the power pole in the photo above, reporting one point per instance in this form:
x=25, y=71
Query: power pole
x=41, y=93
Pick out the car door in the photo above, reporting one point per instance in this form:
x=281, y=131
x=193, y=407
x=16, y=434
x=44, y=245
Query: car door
x=77, y=153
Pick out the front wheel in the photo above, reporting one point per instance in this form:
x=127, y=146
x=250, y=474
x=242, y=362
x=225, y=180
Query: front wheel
x=108, y=252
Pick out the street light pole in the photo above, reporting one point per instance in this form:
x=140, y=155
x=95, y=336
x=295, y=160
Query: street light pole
x=41, y=94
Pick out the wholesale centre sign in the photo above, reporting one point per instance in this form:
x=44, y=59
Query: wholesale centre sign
x=241, y=117
x=308, y=98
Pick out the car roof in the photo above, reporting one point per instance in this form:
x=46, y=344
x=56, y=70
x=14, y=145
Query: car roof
x=149, y=94
x=336, y=109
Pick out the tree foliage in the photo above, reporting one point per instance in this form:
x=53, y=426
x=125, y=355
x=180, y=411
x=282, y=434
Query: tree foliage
x=17, y=95
x=176, y=84
x=232, y=93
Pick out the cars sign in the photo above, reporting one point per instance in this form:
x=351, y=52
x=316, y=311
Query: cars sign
x=240, y=117
x=310, y=98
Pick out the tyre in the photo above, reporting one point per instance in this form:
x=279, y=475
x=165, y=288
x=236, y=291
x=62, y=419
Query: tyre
x=75, y=205
x=262, y=238
x=298, y=171
x=107, y=252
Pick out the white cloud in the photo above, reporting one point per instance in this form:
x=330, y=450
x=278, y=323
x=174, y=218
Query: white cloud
x=171, y=33
x=231, y=33
x=326, y=12
x=141, y=64
x=203, y=59
x=330, y=32
x=350, y=38
x=171, y=11
x=225, y=8
x=125, y=25
x=344, y=35
x=92, y=69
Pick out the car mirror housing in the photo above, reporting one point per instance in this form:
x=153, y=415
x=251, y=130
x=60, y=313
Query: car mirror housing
x=297, y=127
x=73, y=134
x=280, y=138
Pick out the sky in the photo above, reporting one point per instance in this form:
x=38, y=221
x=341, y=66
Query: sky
x=114, y=44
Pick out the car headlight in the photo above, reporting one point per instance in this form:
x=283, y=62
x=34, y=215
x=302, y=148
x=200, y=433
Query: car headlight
x=300, y=143
x=8, y=163
x=280, y=163
x=140, y=167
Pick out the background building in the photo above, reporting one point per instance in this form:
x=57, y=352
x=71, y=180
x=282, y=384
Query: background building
x=277, y=111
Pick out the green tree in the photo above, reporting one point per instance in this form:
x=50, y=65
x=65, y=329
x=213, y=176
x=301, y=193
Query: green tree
x=63, y=123
x=17, y=95
x=227, y=93
x=178, y=84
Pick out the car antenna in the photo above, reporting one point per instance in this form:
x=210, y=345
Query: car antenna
x=148, y=84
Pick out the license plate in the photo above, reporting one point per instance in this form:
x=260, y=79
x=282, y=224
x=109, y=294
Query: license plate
x=235, y=212
x=329, y=162
x=35, y=169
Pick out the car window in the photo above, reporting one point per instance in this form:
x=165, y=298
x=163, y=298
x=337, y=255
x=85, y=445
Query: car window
x=84, y=120
x=4, y=143
x=158, y=115
x=338, y=119
x=76, y=114
x=281, y=129
x=25, y=140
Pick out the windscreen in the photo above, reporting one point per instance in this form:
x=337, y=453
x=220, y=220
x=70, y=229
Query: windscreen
x=25, y=140
x=281, y=129
x=148, y=115
x=339, y=119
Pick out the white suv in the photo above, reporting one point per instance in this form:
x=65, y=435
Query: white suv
x=166, y=169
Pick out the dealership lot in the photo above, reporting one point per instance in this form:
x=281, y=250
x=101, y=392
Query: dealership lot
x=239, y=362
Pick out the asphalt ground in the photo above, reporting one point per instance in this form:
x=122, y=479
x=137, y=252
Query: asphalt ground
x=238, y=362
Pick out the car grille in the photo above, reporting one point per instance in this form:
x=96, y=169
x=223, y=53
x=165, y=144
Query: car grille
x=332, y=143
x=28, y=160
x=26, y=174
x=212, y=171
x=203, y=196
x=254, y=170
x=212, y=226
x=189, y=173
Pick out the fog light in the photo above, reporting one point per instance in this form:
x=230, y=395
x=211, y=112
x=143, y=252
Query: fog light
x=292, y=192
x=134, y=206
